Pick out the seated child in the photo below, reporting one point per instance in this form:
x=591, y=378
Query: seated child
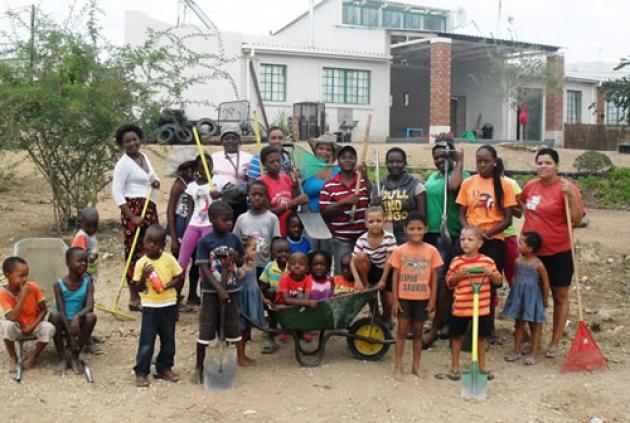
x=295, y=235
x=85, y=238
x=528, y=298
x=323, y=285
x=74, y=310
x=218, y=254
x=269, y=283
x=344, y=282
x=157, y=276
x=295, y=286
x=458, y=279
x=250, y=298
x=24, y=309
x=415, y=265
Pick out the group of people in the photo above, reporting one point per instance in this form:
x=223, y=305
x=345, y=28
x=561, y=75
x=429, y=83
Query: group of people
x=236, y=215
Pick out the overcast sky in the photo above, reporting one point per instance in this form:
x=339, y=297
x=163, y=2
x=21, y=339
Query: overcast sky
x=586, y=30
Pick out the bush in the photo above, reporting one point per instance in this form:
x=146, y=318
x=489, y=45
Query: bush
x=592, y=161
x=612, y=190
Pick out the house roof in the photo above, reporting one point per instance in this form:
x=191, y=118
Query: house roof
x=315, y=51
x=498, y=41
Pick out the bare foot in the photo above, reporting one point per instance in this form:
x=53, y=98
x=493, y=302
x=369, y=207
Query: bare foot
x=12, y=365
x=421, y=373
x=246, y=362
x=29, y=363
x=197, y=376
x=398, y=375
x=76, y=365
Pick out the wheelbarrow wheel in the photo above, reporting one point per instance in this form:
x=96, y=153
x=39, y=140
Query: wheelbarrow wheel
x=369, y=328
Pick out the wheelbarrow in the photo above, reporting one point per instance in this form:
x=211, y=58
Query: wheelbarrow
x=368, y=338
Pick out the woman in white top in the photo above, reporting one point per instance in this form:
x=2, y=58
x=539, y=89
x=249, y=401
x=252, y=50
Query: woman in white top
x=133, y=175
x=232, y=164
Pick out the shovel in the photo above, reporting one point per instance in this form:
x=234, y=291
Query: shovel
x=445, y=235
x=313, y=223
x=474, y=382
x=220, y=368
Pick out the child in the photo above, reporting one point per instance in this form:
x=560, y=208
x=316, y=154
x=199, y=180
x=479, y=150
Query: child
x=528, y=297
x=250, y=300
x=275, y=138
x=84, y=238
x=74, y=315
x=283, y=191
x=297, y=241
x=269, y=284
x=295, y=287
x=203, y=194
x=415, y=265
x=217, y=253
x=24, y=308
x=323, y=285
x=344, y=283
x=457, y=278
x=157, y=276
x=370, y=255
x=258, y=223
x=178, y=208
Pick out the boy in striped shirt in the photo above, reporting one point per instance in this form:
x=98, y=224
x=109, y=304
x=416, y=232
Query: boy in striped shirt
x=337, y=200
x=458, y=279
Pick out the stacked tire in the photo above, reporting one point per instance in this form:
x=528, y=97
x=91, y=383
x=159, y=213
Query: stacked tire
x=173, y=127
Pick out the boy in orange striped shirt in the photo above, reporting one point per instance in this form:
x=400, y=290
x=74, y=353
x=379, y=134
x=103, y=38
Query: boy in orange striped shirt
x=458, y=279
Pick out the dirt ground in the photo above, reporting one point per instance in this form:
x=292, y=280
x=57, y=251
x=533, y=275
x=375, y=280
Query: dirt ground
x=342, y=389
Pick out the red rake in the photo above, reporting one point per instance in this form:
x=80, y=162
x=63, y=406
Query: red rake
x=584, y=353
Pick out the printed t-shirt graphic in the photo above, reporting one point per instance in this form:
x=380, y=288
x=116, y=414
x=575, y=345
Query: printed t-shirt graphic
x=414, y=265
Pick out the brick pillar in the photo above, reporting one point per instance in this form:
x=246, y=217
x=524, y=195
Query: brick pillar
x=440, y=103
x=554, y=100
x=600, y=106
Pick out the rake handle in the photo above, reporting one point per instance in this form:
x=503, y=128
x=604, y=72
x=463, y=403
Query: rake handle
x=203, y=158
x=258, y=139
x=363, y=156
x=575, y=272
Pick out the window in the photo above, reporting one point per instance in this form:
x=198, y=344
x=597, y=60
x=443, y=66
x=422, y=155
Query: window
x=574, y=106
x=347, y=86
x=369, y=16
x=273, y=82
x=414, y=21
x=352, y=14
x=436, y=23
x=614, y=114
x=392, y=18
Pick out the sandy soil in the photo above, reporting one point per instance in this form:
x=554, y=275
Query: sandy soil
x=342, y=389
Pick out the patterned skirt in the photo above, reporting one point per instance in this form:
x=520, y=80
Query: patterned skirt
x=129, y=229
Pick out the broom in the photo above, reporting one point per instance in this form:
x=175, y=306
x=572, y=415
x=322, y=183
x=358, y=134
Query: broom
x=584, y=353
x=123, y=278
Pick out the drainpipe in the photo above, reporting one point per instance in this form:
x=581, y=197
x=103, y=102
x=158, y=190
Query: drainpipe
x=248, y=74
x=310, y=22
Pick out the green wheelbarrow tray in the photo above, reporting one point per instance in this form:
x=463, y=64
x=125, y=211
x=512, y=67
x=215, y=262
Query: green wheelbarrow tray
x=334, y=313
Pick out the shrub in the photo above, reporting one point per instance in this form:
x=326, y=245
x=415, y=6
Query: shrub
x=592, y=161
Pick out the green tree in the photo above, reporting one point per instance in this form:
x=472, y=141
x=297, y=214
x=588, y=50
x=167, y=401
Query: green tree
x=64, y=90
x=618, y=91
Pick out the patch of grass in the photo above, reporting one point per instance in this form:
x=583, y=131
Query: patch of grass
x=612, y=190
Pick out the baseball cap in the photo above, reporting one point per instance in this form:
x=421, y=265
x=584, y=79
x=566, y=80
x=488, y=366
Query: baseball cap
x=347, y=148
x=230, y=128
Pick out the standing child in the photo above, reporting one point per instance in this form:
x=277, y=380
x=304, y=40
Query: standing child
x=24, y=310
x=528, y=297
x=74, y=315
x=295, y=286
x=258, y=223
x=269, y=284
x=275, y=138
x=459, y=279
x=85, y=238
x=250, y=298
x=203, y=194
x=323, y=285
x=157, y=277
x=369, y=260
x=283, y=191
x=217, y=254
x=344, y=282
x=415, y=265
x=295, y=235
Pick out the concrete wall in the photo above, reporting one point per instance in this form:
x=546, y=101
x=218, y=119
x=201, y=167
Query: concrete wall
x=589, y=97
x=328, y=31
x=416, y=114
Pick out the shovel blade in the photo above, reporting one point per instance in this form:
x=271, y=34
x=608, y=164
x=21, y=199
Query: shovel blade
x=474, y=384
x=219, y=372
x=314, y=225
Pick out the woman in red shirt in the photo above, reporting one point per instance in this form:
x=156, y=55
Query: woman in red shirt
x=542, y=200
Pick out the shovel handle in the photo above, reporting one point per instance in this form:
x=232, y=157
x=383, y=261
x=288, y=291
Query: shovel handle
x=575, y=272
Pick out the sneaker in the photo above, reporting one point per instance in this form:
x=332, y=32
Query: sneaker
x=307, y=337
x=269, y=344
x=283, y=337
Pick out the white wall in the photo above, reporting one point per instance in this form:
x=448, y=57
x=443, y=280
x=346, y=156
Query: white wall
x=589, y=97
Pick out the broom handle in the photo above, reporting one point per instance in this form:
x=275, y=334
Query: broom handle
x=123, y=277
x=475, y=329
x=258, y=139
x=203, y=159
x=575, y=272
x=363, y=156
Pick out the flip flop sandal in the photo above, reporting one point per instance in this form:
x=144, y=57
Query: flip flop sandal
x=511, y=357
x=489, y=373
x=454, y=375
x=551, y=352
x=529, y=361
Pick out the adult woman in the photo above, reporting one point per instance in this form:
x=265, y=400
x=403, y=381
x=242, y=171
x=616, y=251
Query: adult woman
x=337, y=200
x=543, y=204
x=401, y=193
x=232, y=164
x=444, y=151
x=132, y=177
